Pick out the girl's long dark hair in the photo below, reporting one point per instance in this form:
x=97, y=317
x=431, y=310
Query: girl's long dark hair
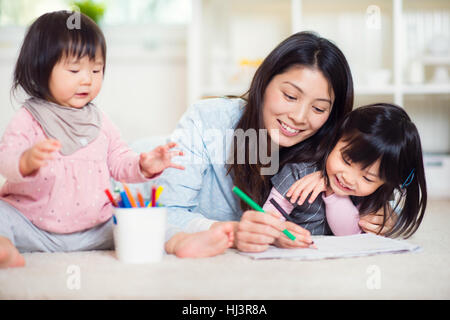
x=47, y=40
x=384, y=131
x=301, y=49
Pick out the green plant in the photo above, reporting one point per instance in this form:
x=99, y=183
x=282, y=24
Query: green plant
x=91, y=8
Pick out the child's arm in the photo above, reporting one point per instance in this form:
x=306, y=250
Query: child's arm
x=17, y=141
x=310, y=185
x=123, y=163
x=282, y=202
x=153, y=163
x=342, y=215
x=372, y=222
x=37, y=156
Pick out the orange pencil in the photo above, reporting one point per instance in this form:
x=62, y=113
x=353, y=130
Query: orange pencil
x=129, y=195
x=141, y=200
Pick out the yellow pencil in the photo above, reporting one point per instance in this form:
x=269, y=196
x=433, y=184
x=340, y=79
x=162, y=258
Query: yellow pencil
x=158, y=193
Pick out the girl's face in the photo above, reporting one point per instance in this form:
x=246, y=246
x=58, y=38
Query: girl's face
x=296, y=104
x=350, y=179
x=74, y=83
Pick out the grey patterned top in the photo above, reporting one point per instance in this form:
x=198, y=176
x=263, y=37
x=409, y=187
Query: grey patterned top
x=309, y=216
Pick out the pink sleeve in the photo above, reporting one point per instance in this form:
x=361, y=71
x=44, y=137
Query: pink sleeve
x=123, y=163
x=282, y=201
x=19, y=136
x=342, y=215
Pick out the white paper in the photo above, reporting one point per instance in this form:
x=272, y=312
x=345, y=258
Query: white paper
x=332, y=247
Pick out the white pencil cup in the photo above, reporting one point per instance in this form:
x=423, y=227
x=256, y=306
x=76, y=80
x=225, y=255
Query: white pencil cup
x=139, y=234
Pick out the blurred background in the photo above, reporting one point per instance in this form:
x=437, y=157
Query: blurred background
x=165, y=54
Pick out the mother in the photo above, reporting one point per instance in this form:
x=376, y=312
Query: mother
x=301, y=91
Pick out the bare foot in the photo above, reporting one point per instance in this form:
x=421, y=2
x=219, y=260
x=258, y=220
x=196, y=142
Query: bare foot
x=9, y=255
x=202, y=244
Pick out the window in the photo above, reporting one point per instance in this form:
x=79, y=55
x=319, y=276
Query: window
x=117, y=12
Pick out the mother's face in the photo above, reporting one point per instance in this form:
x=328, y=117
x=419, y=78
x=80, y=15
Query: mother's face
x=296, y=104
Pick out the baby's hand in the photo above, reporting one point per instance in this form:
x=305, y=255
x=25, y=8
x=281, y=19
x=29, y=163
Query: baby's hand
x=37, y=156
x=312, y=183
x=159, y=159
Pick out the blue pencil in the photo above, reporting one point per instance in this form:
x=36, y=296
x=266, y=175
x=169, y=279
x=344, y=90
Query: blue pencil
x=125, y=200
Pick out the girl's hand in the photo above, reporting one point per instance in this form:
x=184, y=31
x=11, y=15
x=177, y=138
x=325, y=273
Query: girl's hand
x=257, y=230
x=159, y=159
x=303, y=237
x=312, y=183
x=371, y=223
x=37, y=156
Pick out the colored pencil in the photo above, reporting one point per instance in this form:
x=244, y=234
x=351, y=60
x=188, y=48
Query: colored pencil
x=241, y=194
x=125, y=200
x=153, y=196
x=158, y=192
x=111, y=198
x=140, y=200
x=129, y=195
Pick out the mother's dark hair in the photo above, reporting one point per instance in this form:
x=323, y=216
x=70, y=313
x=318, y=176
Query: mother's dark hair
x=304, y=49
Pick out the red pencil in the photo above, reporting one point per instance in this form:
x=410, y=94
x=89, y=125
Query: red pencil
x=153, y=196
x=108, y=193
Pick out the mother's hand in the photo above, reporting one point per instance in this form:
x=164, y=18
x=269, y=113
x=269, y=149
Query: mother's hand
x=372, y=223
x=302, y=237
x=257, y=230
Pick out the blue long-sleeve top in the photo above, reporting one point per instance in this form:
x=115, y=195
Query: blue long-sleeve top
x=201, y=194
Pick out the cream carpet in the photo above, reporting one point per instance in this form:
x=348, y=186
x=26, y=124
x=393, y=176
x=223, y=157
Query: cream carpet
x=99, y=275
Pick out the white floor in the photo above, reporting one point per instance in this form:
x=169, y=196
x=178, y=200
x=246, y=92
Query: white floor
x=98, y=275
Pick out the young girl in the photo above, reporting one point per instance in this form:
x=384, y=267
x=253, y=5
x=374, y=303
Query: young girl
x=59, y=151
x=375, y=155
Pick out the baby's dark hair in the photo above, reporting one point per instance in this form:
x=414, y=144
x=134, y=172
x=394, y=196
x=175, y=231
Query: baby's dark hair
x=385, y=131
x=50, y=38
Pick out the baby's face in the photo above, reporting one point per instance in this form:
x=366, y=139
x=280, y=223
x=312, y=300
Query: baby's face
x=350, y=179
x=74, y=83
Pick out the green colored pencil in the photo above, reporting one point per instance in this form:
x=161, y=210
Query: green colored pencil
x=241, y=194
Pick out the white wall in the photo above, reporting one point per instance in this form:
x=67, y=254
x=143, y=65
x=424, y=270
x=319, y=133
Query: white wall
x=144, y=90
